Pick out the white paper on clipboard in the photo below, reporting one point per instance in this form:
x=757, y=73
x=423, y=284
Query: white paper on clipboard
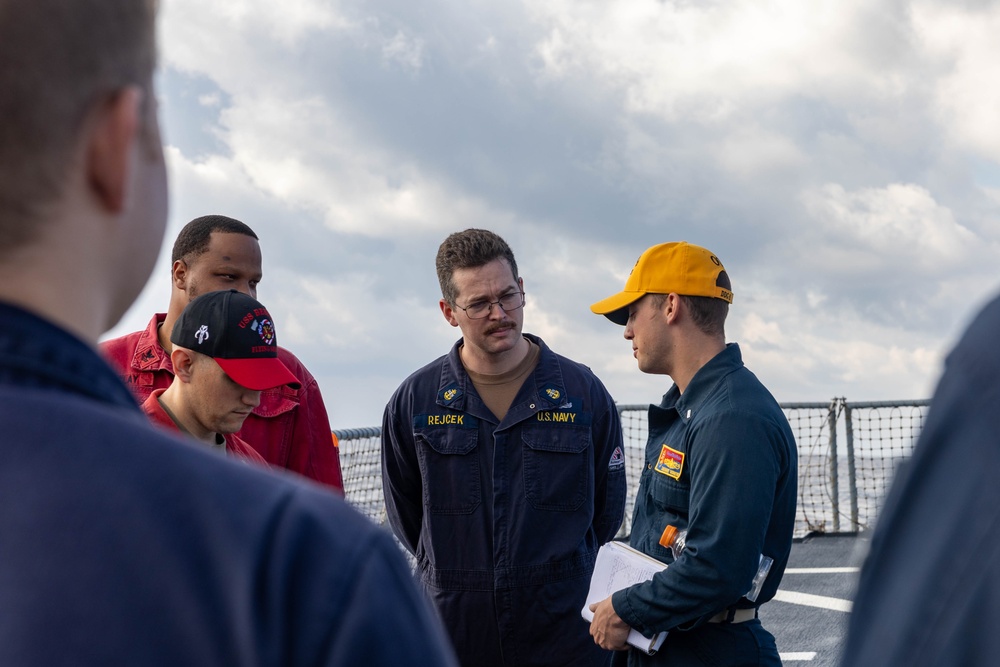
x=619, y=566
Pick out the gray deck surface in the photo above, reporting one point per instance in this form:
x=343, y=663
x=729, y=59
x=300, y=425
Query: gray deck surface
x=809, y=615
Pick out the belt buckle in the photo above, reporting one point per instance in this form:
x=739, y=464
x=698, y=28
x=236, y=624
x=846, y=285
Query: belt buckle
x=729, y=615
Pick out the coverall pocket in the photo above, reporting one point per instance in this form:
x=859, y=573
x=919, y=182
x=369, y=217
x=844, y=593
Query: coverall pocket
x=451, y=470
x=668, y=494
x=557, y=468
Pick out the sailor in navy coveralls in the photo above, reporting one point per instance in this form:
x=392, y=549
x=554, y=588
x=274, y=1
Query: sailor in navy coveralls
x=503, y=473
x=720, y=462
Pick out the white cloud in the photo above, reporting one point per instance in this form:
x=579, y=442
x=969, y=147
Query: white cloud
x=757, y=330
x=708, y=60
x=211, y=100
x=822, y=149
x=962, y=49
x=193, y=29
x=899, y=224
x=299, y=153
x=748, y=151
x=405, y=50
x=810, y=354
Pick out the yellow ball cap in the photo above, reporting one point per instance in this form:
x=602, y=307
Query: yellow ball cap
x=677, y=267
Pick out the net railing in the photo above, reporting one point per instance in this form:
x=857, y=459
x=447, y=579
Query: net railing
x=847, y=451
x=880, y=436
x=814, y=426
x=360, y=465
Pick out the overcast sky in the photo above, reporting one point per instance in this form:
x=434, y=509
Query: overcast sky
x=842, y=158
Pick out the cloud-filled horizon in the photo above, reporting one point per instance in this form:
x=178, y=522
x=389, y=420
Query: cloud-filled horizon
x=842, y=159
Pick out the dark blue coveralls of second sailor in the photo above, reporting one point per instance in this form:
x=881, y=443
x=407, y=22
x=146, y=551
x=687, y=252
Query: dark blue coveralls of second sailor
x=503, y=472
x=720, y=462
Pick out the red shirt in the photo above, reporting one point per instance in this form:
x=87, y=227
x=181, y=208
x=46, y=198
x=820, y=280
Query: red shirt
x=289, y=428
x=234, y=445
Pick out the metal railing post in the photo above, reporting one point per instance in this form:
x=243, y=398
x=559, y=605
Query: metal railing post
x=834, y=483
x=852, y=478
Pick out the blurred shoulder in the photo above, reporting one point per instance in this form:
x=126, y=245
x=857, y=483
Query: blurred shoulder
x=295, y=365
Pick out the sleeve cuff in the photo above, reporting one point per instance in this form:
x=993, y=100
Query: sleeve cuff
x=625, y=611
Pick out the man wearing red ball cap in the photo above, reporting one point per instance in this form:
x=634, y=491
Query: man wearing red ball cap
x=225, y=352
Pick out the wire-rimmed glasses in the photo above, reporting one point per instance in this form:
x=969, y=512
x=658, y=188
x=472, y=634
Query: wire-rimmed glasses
x=480, y=309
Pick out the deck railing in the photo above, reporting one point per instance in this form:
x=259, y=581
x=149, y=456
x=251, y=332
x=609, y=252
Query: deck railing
x=848, y=453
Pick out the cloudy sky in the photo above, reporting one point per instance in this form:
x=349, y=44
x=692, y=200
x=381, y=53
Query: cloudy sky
x=841, y=157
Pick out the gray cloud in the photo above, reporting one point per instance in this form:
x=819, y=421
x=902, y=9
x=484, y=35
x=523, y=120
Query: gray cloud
x=843, y=161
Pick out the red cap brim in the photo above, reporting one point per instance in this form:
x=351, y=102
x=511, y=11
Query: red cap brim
x=259, y=374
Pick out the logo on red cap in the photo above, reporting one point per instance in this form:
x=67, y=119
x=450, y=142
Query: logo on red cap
x=265, y=329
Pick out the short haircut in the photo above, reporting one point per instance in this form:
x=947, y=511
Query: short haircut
x=707, y=312
x=194, y=238
x=469, y=249
x=59, y=59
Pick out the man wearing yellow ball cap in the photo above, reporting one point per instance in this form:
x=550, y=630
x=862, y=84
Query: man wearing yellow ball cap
x=720, y=463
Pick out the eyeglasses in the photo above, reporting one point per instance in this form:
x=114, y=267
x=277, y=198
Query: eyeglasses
x=481, y=309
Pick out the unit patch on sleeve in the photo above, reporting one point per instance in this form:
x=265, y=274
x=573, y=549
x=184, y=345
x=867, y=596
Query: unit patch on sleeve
x=617, y=459
x=670, y=463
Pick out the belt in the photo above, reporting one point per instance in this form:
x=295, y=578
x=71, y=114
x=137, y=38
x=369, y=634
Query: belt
x=734, y=616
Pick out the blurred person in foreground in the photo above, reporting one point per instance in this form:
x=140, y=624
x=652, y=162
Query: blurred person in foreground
x=721, y=464
x=290, y=427
x=225, y=352
x=503, y=471
x=929, y=591
x=119, y=543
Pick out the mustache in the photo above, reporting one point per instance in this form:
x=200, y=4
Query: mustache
x=499, y=327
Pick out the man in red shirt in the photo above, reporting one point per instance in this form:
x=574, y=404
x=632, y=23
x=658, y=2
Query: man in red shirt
x=225, y=352
x=290, y=427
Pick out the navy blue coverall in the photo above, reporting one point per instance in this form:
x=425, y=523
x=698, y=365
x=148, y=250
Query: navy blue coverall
x=721, y=463
x=505, y=519
x=929, y=592
x=121, y=544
